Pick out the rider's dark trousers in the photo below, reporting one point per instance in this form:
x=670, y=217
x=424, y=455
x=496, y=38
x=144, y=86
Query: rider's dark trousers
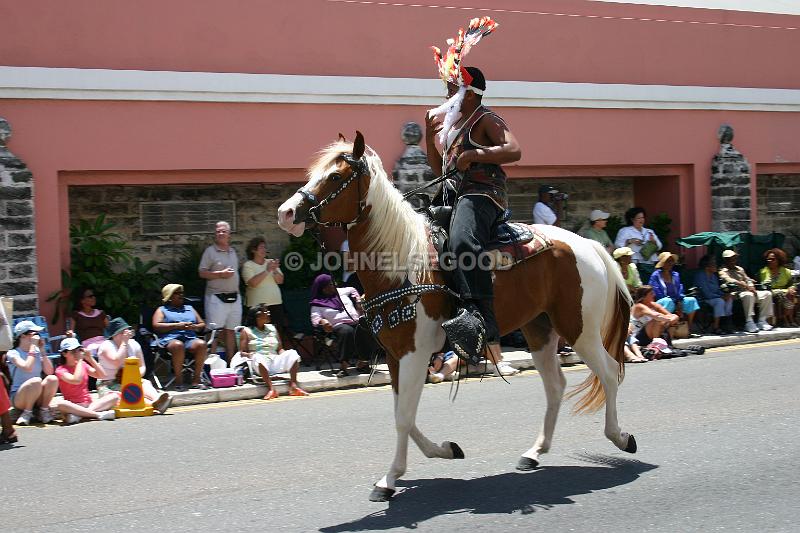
x=470, y=232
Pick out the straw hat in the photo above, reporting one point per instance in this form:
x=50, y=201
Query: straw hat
x=619, y=252
x=664, y=256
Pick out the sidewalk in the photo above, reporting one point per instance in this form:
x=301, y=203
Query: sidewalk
x=316, y=381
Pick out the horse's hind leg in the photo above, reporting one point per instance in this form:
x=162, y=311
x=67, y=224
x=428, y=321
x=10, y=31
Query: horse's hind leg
x=592, y=352
x=543, y=342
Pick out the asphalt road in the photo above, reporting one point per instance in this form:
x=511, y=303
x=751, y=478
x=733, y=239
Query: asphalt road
x=718, y=450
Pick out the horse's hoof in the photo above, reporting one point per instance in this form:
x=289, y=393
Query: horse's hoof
x=381, y=494
x=631, y=447
x=526, y=464
x=458, y=453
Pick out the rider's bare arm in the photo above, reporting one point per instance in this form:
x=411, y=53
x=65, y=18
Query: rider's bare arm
x=502, y=145
x=432, y=128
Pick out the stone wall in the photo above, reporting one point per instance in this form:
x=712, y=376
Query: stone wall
x=18, y=276
x=256, y=214
x=613, y=195
x=779, y=207
x=730, y=186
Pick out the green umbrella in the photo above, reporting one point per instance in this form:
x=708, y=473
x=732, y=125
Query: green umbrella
x=722, y=239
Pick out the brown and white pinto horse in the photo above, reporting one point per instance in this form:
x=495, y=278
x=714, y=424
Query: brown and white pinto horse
x=573, y=290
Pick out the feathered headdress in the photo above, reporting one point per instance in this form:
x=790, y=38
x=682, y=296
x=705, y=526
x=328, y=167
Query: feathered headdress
x=450, y=68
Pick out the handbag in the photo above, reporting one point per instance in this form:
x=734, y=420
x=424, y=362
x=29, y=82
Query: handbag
x=679, y=330
x=648, y=249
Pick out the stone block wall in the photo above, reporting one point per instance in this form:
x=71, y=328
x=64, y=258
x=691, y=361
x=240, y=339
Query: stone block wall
x=18, y=275
x=779, y=207
x=256, y=214
x=613, y=195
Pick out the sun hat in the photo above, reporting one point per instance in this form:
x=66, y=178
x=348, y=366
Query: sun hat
x=660, y=345
x=597, y=214
x=116, y=326
x=68, y=344
x=664, y=256
x=169, y=290
x=619, y=252
x=25, y=326
x=729, y=253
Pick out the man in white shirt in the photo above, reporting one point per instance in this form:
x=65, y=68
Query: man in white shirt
x=548, y=207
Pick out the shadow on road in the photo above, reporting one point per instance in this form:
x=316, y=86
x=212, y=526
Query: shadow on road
x=525, y=492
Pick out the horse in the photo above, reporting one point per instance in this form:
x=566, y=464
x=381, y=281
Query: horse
x=572, y=290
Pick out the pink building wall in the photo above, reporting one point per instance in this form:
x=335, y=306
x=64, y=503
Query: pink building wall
x=71, y=142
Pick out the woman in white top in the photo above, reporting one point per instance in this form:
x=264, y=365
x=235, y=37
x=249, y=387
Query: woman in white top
x=262, y=277
x=649, y=319
x=635, y=236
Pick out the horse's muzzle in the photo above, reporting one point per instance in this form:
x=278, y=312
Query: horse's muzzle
x=293, y=214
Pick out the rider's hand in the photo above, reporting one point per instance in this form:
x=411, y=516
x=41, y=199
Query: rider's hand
x=466, y=159
x=432, y=126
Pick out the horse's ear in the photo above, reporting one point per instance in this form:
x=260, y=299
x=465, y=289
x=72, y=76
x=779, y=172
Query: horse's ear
x=358, y=146
x=342, y=138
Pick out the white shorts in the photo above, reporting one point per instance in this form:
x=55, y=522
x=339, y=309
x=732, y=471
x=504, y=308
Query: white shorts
x=220, y=314
x=277, y=364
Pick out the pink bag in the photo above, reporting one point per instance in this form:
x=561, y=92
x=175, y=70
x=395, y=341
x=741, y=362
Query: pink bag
x=224, y=377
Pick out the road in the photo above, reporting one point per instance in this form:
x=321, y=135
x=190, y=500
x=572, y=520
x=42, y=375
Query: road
x=717, y=435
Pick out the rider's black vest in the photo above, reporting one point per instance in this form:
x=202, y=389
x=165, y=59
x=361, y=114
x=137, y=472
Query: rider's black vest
x=480, y=178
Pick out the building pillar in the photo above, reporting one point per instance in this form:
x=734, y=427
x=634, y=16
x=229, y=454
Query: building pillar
x=730, y=186
x=18, y=275
x=411, y=169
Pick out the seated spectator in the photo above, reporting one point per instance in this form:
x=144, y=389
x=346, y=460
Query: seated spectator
x=27, y=361
x=596, y=230
x=261, y=343
x=708, y=286
x=631, y=349
x=118, y=346
x=338, y=313
x=629, y=271
x=86, y=322
x=641, y=240
x=443, y=366
x=668, y=289
x=747, y=293
x=784, y=293
x=650, y=320
x=77, y=364
x=177, y=325
x=8, y=434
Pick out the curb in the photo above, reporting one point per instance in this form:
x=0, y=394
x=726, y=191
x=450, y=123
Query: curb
x=318, y=381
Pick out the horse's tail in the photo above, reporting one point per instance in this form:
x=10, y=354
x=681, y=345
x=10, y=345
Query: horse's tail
x=614, y=332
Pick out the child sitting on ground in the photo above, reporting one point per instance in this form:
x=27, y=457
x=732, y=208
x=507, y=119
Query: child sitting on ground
x=73, y=380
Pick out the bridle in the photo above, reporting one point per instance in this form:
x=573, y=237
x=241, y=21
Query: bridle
x=358, y=168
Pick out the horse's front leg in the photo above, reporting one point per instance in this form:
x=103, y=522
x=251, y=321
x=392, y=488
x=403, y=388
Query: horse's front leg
x=410, y=379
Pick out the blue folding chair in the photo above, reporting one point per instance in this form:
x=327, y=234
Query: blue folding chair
x=50, y=343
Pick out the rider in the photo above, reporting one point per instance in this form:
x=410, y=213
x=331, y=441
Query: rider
x=476, y=142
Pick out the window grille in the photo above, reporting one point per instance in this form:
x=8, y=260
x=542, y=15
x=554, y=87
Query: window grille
x=184, y=217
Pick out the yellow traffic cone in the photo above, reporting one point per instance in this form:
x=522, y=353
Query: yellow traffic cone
x=131, y=402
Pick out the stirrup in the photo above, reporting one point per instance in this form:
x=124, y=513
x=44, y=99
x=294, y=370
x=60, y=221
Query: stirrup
x=466, y=333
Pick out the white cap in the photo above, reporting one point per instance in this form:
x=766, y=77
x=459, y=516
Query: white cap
x=729, y=253
x=597, y=214
x=24, y=327
x=70, y=343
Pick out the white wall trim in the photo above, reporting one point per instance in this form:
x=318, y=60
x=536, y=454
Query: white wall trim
x=138, y=85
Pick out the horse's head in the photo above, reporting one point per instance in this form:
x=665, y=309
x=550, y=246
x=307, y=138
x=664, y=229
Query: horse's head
x=336, y=191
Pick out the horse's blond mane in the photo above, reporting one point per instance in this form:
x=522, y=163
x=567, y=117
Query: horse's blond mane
x=395, y=227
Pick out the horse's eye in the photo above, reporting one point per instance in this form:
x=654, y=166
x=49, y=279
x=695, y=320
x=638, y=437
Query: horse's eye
x=335, y=176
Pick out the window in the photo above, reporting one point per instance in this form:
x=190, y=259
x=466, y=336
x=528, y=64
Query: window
x=185, y=217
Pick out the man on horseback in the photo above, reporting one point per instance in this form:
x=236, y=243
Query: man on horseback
x=475, y=142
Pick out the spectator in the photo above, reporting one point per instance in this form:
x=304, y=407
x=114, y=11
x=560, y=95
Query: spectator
x=631, y=348
x=668, y=289
x=596, y=230
x=77, y=364
x=118, y=346
x=260, y=343
x=177, y=325
x=643, y=241
x=86, y=322
x=8, y=434
x=707, y=283
x=219, y=266
x=650, y=320
x=27, y=362
x=338, y=313
x=746, y=291
x=784, y=293
x=548, y=209
x=262, y=277
x=443, y=366
x=629, y=271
